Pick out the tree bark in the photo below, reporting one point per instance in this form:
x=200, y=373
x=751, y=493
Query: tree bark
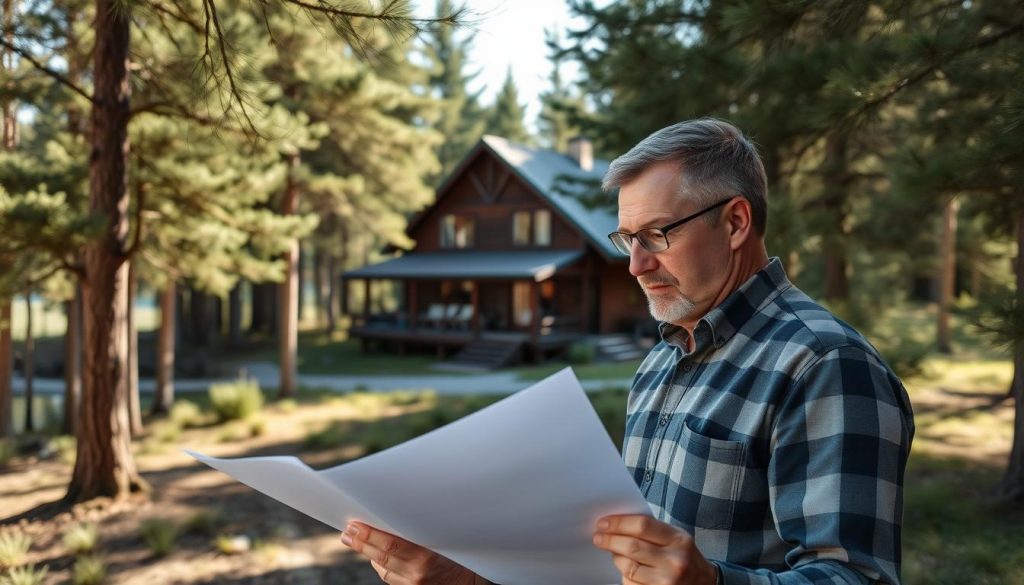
x=134, y=400
x=947, y=273
x=300, y=283
x=235, y=316
x=104, y=465
x=1013, y=482
x=837, y=285
x=28, y=366
x=72, y=363
x=163, y=394
x=288, y=308
x=6, y=371
x=320, y=284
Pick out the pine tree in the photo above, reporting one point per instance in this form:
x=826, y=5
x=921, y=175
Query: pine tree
x=460, y=119
x=506, y=113
x=558, y=103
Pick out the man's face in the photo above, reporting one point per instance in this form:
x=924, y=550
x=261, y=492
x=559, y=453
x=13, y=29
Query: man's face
x=682, y=282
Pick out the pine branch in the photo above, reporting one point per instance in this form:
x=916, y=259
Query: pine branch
x=56, y=76
x=236, y=93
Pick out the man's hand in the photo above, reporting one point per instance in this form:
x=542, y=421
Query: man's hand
x=649, y=552
x=400, y=562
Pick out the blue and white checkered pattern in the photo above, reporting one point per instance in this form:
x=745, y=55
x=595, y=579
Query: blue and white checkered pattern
x=779, y=443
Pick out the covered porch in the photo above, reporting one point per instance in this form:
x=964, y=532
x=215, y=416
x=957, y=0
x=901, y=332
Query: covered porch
x=544, y=300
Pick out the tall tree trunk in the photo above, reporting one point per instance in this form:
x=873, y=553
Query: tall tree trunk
x=235, y=316
x=28, y=365
x=288, y=308
x=1013, y=482
x=259, y=313
x=300, y=283
x=134, y=400
x=199, y=318
x=837, y=285
x=9, y=140
x=163, y=394
x=104, y=465
x=6, y=371
x=331, y=303
x=320, y=284
x=947, y=274
x=72, y=362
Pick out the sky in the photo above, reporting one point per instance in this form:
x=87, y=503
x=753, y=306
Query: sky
x=510, y=33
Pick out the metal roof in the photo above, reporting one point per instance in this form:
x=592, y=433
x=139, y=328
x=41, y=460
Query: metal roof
x=544, y=170
x=537, y=265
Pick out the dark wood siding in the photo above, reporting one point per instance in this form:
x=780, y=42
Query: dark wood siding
x=491, y=193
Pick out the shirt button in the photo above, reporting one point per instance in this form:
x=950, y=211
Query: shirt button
x=687, y=367
x=663, y=420
x=648, y=476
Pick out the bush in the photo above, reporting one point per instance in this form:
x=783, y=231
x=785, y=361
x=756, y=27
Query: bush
x=205, y=522
x=580, y=352
x=159, y=535
x=13, y=549
x=7, y=451
x=185, y=414
x=89, y=570
x=236, y=400
x=24, y=576
x=81, y=538
x=66, y=448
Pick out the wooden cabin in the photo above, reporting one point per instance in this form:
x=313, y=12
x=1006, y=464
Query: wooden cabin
x=510, y=261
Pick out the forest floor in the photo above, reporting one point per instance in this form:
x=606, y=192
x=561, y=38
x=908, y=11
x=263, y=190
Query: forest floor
x=955, y=531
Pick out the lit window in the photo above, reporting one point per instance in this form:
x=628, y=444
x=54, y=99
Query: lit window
x=542, y=228
x=456, y=231
x=521, y=228
x=522, y=312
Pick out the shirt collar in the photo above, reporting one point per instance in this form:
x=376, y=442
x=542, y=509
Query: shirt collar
x=723, y=321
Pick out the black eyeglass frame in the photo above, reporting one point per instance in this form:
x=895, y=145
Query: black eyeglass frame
x=664, y=230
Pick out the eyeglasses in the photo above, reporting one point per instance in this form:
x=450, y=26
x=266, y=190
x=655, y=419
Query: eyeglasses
x=655, y=239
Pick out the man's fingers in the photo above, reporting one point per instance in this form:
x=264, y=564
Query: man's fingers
x=388, y=575
x=630, y=547
x=634, y=572
x=639, y=526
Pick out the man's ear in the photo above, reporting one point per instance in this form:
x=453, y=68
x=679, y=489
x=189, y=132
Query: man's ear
x=739, y=218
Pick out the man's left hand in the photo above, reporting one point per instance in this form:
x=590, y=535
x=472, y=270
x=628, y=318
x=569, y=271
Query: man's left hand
x=649, y=552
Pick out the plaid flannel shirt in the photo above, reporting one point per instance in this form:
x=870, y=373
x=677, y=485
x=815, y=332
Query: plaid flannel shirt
x=779, y=443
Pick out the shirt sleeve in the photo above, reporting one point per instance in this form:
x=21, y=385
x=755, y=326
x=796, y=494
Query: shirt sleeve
x=839, y=449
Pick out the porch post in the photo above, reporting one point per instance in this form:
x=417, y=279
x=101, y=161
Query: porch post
x=535, y=312
x=366, y=302
x=413, y=310
x=588, y=299
x=475, y=296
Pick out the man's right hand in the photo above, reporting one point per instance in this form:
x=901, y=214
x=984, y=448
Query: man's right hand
x=400, y=562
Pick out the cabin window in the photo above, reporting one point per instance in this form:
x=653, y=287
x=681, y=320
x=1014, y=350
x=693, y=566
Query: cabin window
x=542, y=228
x=521, y=228
x=522, y=307
x=457, y=231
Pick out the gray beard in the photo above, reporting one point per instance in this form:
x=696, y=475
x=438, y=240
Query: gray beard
x=670, y=311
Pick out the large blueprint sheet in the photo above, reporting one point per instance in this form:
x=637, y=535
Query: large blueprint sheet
x=512, y=491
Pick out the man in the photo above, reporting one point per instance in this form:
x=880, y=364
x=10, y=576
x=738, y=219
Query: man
x=769, y=438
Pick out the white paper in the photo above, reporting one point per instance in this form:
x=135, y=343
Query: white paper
x=513, y=491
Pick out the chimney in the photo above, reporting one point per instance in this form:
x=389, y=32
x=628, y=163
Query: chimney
x=582, y=151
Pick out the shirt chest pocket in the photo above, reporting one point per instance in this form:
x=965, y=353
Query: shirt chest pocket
x=708, y=474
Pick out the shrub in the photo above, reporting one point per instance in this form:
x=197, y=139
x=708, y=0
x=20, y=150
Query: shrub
x=205, y=522
x=24, y=576
x=236, y=400
x=89, y=570
x=286, y=405
x=159, y=535
x=13, y=549
x=66, y=448
x=185, y=414
x=580, y=352
x=7, y=451
x=81, y=538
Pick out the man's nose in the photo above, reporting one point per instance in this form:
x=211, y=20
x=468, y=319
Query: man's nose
x=640, y=260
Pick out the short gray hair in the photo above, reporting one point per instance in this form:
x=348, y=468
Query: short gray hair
x=717, y=160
